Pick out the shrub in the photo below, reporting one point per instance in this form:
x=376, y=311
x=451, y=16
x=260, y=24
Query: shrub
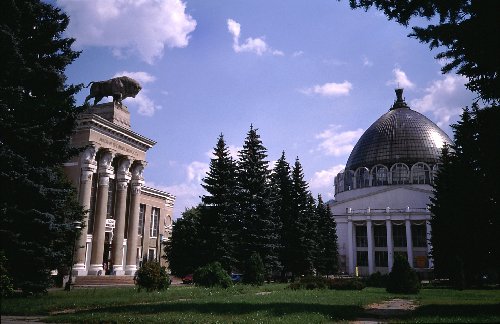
x=212, y=275
x=402, y=279
x=310, y=283
x=6, y=286
x=377, y=280
x=152, y=276
x=347, y=284
x=254, y=270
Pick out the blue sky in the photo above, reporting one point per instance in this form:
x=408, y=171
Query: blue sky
x=311, y=76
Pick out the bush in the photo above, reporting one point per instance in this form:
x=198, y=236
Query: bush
x=323, y=283
x=377, y=280
x=254, y=270
x=402, y=279
x=212, y=275
x=6, y=286
x=152, y=276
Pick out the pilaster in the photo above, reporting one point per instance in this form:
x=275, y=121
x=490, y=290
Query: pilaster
x=133, y=222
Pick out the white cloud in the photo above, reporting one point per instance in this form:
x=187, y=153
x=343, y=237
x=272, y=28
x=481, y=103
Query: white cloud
x=444, y=98
x=197, y=171
x=252, y=45
x=324, y=179
x=297, y=53
x=367, y=62
x=400, y=79
x=233, y=151
x=143, y=28
x=330, y=89
x=337, y=143
x=145, y=105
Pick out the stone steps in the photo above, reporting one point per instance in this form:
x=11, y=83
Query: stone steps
x=104, y=281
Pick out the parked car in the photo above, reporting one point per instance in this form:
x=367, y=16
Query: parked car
x=236, y=277
x=187, y=279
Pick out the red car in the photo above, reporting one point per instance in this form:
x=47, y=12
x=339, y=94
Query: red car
x=187, y=279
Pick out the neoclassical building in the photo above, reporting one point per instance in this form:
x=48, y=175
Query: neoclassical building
x=381, y=196
x=127, y=222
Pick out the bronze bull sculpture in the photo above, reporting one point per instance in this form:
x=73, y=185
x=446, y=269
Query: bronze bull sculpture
x=120, y=88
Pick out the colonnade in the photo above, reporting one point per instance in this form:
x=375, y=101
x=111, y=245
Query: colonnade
x=128, y=173
x=352, y=249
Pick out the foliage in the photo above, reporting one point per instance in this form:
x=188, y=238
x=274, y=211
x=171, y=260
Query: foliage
x=402, y=279
x=317, y=282
x=37, y=117
x=152, y=277
x=6, y=287
x=219, y=209
x=184, y=249
x=326, y=259
x=212, y=275
x=254, y=270
x=377, y=280
x=467, y=30
x=465, y=221
x=257, y=228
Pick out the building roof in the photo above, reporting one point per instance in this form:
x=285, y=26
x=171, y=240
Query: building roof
x=400, y=135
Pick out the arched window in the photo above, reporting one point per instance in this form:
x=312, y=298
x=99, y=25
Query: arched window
x=348, y=175
x=435, y=169
x=362, y=176
x=400, y=174
x=380, y=175
x=420, y=173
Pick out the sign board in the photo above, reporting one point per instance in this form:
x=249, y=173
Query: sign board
x=110, y=223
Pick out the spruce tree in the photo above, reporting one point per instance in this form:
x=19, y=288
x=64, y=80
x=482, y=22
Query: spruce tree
x=37, y=118
x=282, y=209
x=219, y=209
x=258, y=230
x=304, y=225
x=327, y=250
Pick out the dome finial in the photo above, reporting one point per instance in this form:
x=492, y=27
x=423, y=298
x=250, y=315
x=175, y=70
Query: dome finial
x=400, y=101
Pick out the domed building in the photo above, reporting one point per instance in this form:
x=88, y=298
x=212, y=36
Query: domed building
x=381, y=197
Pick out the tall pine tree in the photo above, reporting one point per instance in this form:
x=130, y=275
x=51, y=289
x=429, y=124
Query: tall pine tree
x=326, y=261
x=37, y=118
x=219, y=209
x=257, y=228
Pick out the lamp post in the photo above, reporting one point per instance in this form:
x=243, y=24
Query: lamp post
x=76, y=226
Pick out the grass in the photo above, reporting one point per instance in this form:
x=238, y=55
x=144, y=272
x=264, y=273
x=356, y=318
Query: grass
x=269, y=303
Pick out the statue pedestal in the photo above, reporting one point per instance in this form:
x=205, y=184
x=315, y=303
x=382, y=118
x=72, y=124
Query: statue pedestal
x=115, y=113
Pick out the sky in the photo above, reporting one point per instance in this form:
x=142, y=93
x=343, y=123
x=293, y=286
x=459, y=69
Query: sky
x=310, y=76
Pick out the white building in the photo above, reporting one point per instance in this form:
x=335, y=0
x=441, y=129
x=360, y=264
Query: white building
x=381, y=197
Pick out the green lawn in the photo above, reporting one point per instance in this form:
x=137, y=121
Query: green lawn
x=267, y=304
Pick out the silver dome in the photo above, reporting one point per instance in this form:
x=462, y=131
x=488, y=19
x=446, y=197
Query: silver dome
x=400, y=135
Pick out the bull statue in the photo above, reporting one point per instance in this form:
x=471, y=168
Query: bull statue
x=120, y=88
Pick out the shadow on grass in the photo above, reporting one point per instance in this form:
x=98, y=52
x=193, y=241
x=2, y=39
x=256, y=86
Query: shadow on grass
x=458, y=310
x=273, y=309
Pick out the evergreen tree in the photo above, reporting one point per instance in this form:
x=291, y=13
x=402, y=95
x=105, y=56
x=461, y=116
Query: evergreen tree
x=37, y=118
x=464, y=208
x=184, y=250
x=282, y=209
x=304, y=227
x=326, y=261
x=258, y=229
x=219, y=209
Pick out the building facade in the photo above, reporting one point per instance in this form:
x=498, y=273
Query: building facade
x=382, y=196
x=126, y=222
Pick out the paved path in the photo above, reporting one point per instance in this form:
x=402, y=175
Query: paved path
x=386, y=310
x=21, y=319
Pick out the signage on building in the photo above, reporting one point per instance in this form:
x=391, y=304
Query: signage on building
x=110, y=223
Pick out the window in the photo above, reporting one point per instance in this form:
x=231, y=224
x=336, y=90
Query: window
x=380, y=175
x=399, y=235
x=420, y=173
x=151, y=254
x=142, y=216
x=155, y=216
x=419, y=235
x=362, y=177
x=400, y=174
x=380, y=235
x=361, y=237
x=362, y=258
x=110, y=212
x=381, y=259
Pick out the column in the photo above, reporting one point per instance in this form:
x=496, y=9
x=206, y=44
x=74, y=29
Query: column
x=429, y=246
x=133, y=221
x=350, y=247
x=390, y=244
x=409, y=242
x=369, y=232
x=105, y=171
x=122, y=177
x=89, y=166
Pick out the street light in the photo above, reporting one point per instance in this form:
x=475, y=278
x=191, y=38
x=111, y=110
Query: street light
x=76, y=226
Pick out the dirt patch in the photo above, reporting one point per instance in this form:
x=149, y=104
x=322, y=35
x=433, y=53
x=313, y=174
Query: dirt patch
x=391, y=308
x=263, y=293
